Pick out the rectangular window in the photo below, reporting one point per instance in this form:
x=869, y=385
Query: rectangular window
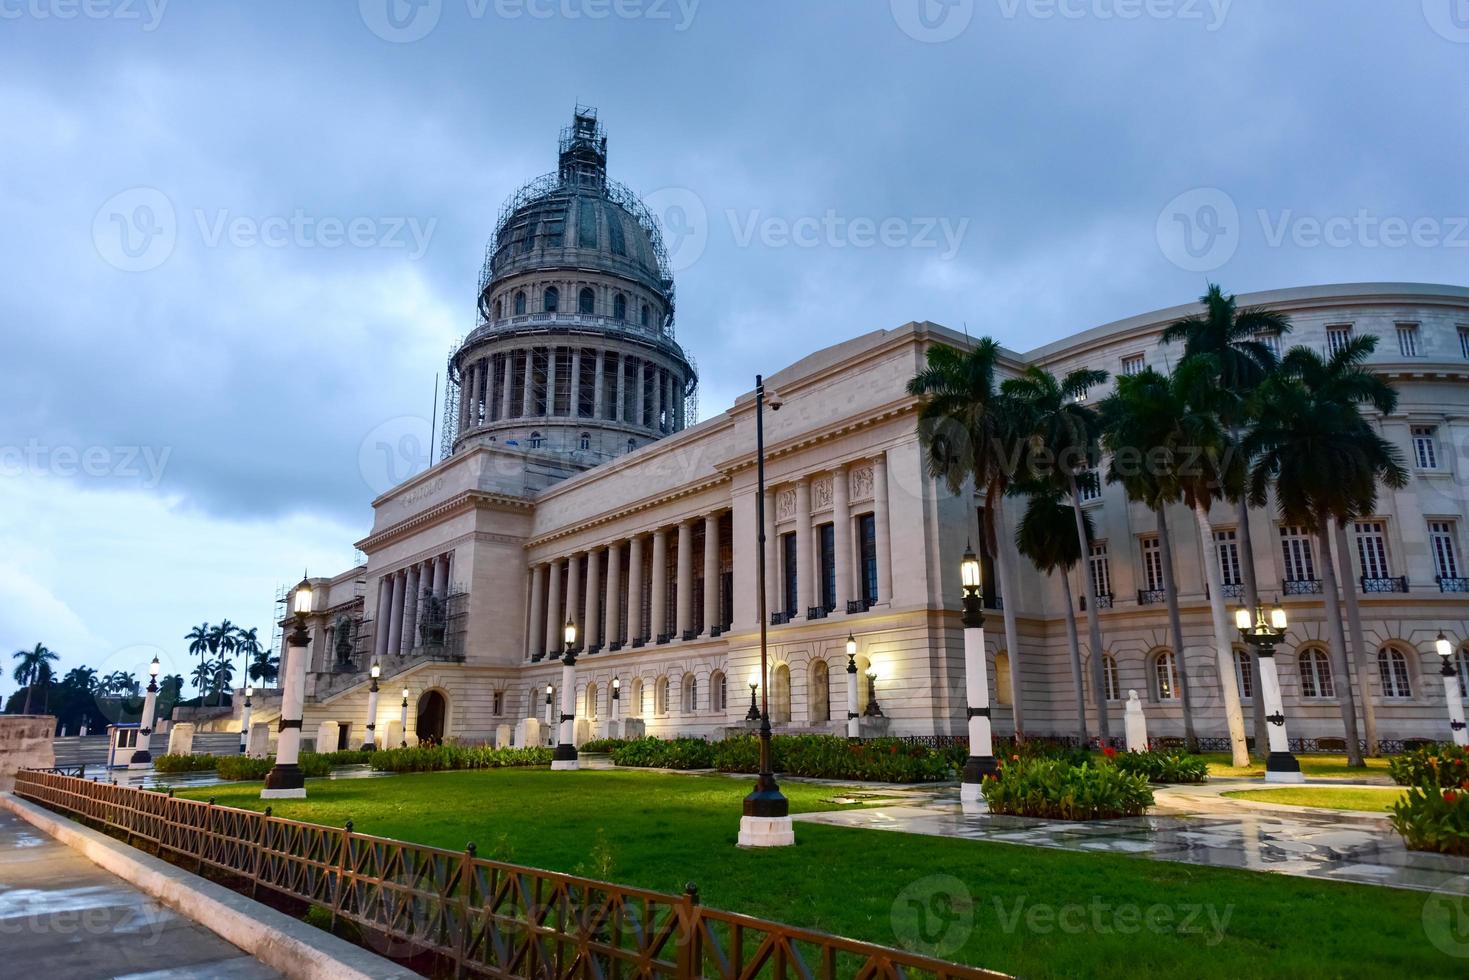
x=788, y=559
x=1425, y=447
x=1226, y=546
x=1441, y=540
x=1408, y=339
x=1270, y=340
x=867, y=548
x=1101, y=569
x=1089, y=485
x=1464, y=342
x=1337, y=338
x=1152, y=564
x=826, y=541
x=1295, y=547
x=1372, y=549
x=499, y=706
x=1134, y=364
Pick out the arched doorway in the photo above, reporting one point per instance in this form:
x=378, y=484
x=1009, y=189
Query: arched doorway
x=780, y=695
x=431, y=710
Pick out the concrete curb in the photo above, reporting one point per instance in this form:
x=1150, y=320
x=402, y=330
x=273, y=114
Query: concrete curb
x=295, y=949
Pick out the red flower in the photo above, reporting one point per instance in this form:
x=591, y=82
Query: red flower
x=1109, y=752
x=1449, y=796
x=893, y=750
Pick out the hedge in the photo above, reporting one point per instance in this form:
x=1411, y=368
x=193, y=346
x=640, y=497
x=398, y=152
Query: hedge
x=438, y=758
x=1054, y=790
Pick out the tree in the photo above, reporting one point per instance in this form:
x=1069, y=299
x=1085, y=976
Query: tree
x=1060, y=434
x=34, y=670
x=224, y=675
x=1138, y=429
x=1232, y=338
x=1045, y=535
x=265, y=667
x=247, y=645
x=966, y=428
x=1326, y=461
x=83, y=679
x=199, y=645
x=203, y=678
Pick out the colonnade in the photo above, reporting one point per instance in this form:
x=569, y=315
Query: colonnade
x=398, y=595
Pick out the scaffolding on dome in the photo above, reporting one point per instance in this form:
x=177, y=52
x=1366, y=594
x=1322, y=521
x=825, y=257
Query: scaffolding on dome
x=449, y=430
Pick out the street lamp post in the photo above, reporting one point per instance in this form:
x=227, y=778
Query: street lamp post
x=285, y=780
x=1452, y=693
x=854, y=729
x=550, y=689
x=370, y=744
x=142, y=758
x=754, y=713
x=403, y=724
x=981, y=761
x=767, y=813
x=565, y=754
x=245, y=719
x=613, y=731
x=1281, y=766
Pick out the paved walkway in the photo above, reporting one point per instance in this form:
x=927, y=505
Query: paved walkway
x=1193, y=825
x=64, y=918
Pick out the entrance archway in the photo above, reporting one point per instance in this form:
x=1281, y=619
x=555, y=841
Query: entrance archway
x=431, y=710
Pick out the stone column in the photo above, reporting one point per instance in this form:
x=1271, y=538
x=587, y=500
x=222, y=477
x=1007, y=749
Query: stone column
x=591, y=619
x=684, y=615
x=410, y=610
x=841, y=526
x=660, y=584
x=285, y=780
x=613, y=598
x=507, y=361
x=618, y=415
x=880, y=524
x=441, y=576
x=384, y=615
x=551, y=382
x=466, y=394
x=573, y=596
x=635, y=589
x=658, y=402
x=805, y=585
x=774, y=594
x=369, y=742
x=640, y=415
x=395, y=615
x=599, y=409
x=527, y=394
x=534, y=634
x=573, y=400
x=711, y=573
x=553, y=611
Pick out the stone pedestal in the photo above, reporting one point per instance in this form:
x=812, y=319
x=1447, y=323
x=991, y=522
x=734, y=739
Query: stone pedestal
x=634, y=728
x=614, y=729
x=581, y=732
x=26, y=742
x=766, y=832
x=1135, y=724
x=869, y=726
x=181, y=739
x=502, y=736
x=257, y=745
x=529, y=733
x=326, y=736
x=391, y=735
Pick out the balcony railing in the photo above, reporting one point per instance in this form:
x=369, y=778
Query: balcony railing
x=816, y=612
x=1447, y=584
x=1151, y=597
x=859, y=605
x=1104, y=601
x=1391, y=584
x=780, y=618
x=1302, y=586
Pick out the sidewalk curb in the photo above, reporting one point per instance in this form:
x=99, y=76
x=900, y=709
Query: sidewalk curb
x=293, y=948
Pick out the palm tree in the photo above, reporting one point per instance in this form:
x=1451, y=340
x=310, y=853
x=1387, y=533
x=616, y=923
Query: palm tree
x=1232, y=337
x=224, y=675
x=265, y=667
x=1138, y=422
x=203, y=678
x=82, y=679
x=33, y=671
x=1326, y=461
x=1061, y=433
x=199, y=640
x=1045, y=536
x=966, y=428
x=247, y=645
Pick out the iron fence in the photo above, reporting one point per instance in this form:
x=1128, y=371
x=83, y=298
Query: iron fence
x=483, y=917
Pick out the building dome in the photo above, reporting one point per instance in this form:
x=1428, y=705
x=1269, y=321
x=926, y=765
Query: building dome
x=574, y=354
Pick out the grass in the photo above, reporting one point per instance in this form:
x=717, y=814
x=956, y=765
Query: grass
x=1316, y=766
x=1035, y=912
x=1325, y=797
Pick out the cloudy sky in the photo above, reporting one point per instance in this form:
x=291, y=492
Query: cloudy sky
x=242, y=237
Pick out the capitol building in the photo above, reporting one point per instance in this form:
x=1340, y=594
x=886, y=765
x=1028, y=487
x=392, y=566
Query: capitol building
x=579, y=483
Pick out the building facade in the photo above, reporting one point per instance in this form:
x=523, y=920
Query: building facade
x=579, y=489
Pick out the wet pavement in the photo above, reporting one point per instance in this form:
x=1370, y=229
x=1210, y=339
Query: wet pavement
x=61, y=916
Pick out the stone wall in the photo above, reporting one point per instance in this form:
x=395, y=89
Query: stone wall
x=25, y=743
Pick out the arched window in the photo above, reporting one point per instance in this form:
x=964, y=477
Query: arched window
x=552, y=299
x=1392, y=671
x=1004, y=689
x=591, y=702
x=520, y=303
x=1244, y=674
x=586, y=300
x=780, y=694
x=660, y=696
x=632, y=444
x=619, y=307
x=586, y=440
x=1111, y=682
x=690, y=694
x=820, y=694
x=718, y=692
x=1164, y=677
x=497, y=308
x=533, y=708
x=635, y=699
x=535, y=440
x=647, y=316
x=1315, y=670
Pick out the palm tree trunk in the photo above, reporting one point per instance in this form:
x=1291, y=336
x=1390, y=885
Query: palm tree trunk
x=1081, y=734
x=1008, y=601
x=1338, y=643
x=30, y=691
x=1170, y=586
x=1252, y=602
x=1359, y=644
x=1094, y=628
x=1223, y=649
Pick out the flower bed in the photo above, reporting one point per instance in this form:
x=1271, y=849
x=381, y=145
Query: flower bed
x=438, y=758
x=815, y=756
x=601, y=746
x=1434, y=814
x=1434, y=765
x=1055, y=790
x=655, y=753
x=238, y=767
x=1164, y=766
x=183, y=763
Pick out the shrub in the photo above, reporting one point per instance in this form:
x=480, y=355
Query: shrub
x=237, y=768
x=1432, y=818
x=183, y=763
x=1441, y=766
x=1164, y=766
x=1052, y=789
x=598, y=746
x=655, y=753
x=436, y=758
x=888, y=760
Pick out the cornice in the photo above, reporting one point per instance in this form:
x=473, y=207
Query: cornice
x=464, y=502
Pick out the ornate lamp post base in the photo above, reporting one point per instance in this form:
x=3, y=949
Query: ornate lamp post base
x=141, y=759
x=1282, y=767
x=284, y=782
x=565, y=757
x=766, y=832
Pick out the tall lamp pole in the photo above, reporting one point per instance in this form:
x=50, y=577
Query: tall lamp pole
x=370, y=743
x=613, y=728
x=854, y=727
x=981, y=761
x=1281, y=766
x=245, y=719
x=550, y=689
x=565, y=755
x=403, y=724
x=142, y=758
x=1452, y=693
x=767, y=813
x=285, y=780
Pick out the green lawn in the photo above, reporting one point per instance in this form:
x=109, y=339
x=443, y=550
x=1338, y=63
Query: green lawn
x=1316, y=766
x=1326, y=797
x=1036, y=912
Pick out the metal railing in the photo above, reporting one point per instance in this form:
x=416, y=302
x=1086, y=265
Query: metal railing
x=1301, y=586
x=1447, y=584
x=486, y=918
x=1149, y=597
x=1397, y=583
